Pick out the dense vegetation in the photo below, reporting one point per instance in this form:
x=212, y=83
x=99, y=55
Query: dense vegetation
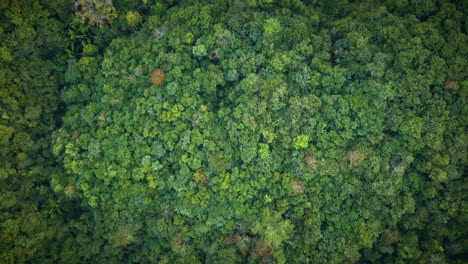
x=235, y=131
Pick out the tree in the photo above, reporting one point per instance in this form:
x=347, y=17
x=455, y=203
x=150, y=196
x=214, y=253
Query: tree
x=157, y=77
x=133, y=18
x=95, y=12
x=301, y=142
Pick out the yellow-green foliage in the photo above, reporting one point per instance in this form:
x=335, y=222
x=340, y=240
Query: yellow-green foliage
x=301, y=142
x=133, y=18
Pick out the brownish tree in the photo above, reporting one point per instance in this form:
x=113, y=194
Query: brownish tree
x=261, y=253
x=96, y=12
x=76, y=135
x=157, y=77
x=451, y=85
x=389, y=237
x=229, y=239
x=356, y=158
x=297, y=187
x=310, y=160
x=200, y=177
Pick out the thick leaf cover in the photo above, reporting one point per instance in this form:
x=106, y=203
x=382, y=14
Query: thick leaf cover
x=261, y=132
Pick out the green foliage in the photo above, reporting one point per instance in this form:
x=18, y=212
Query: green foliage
x=33, y=37
x=272, y=229
x=263, y=131
x=301, y=142
x=271, y=26
x=199, y=50
x=133, y=18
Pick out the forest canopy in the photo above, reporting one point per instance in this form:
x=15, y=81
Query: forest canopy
x=233, y=131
